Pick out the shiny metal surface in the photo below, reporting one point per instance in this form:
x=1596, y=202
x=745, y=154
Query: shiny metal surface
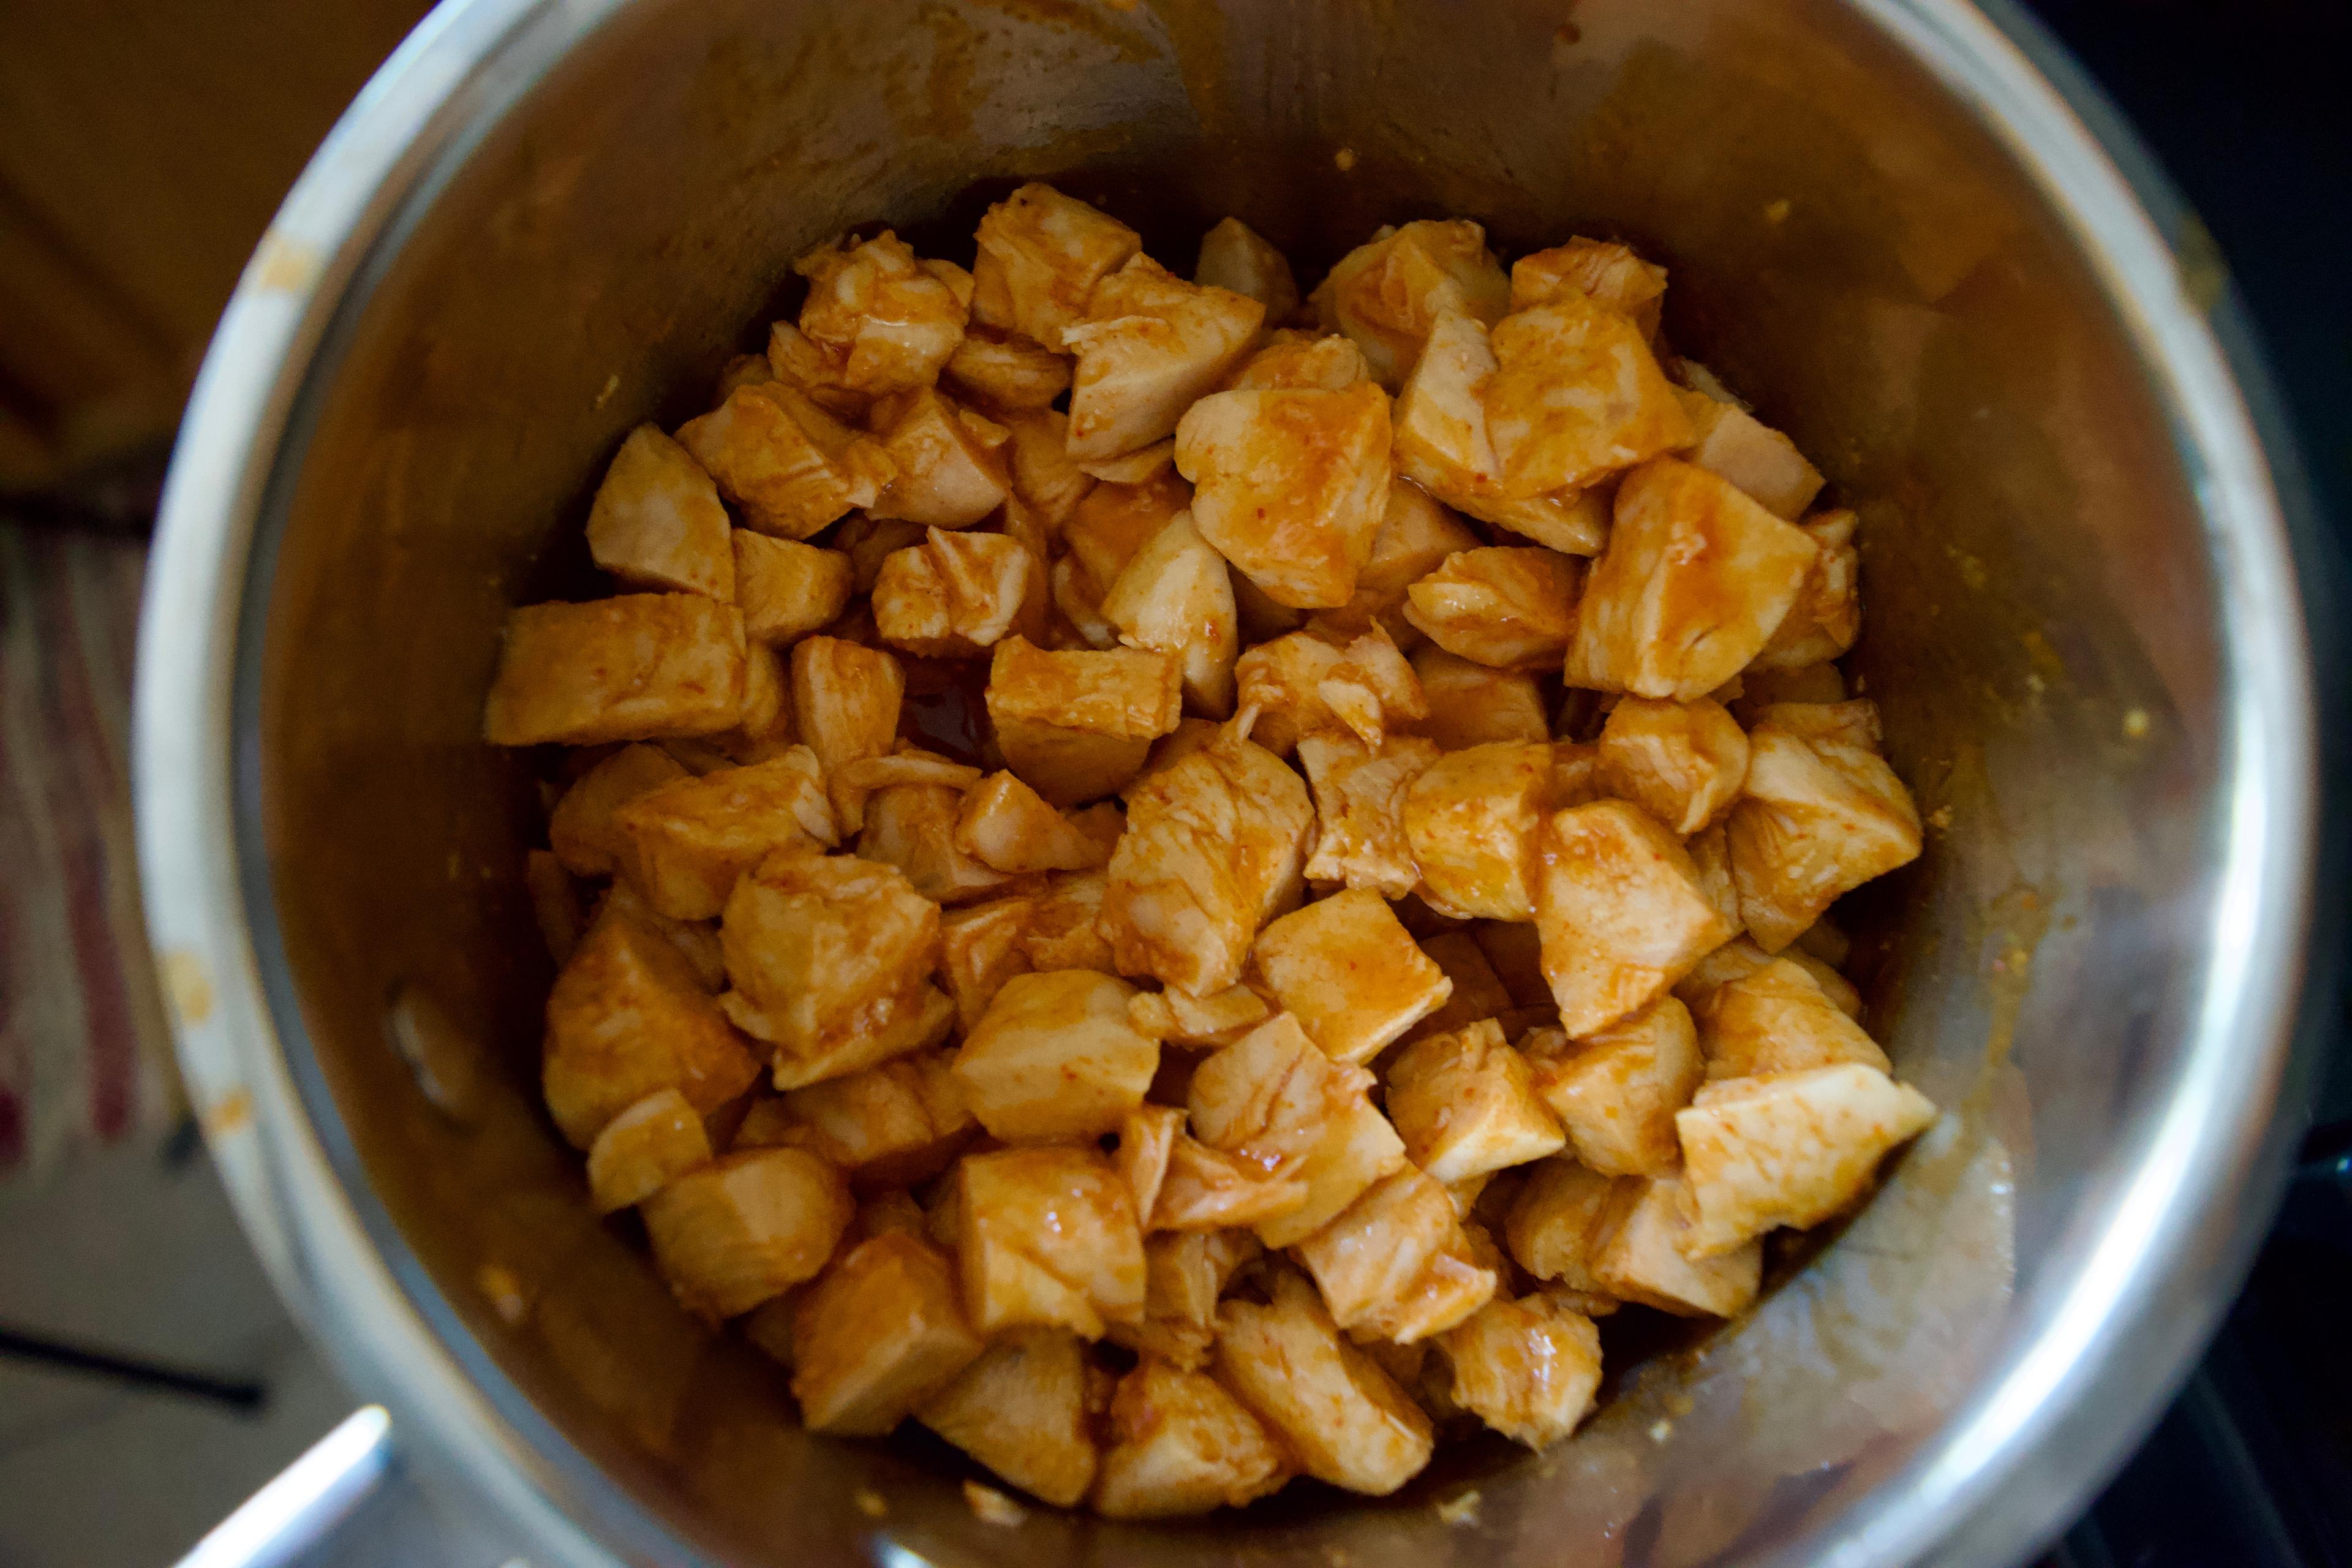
x=547, y=221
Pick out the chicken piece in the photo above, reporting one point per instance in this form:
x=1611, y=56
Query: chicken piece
x=1463, y=1105
x=1764, y=464
x=1644, y=1255
x=1818, y=819
x=1396, y=1264
x=746, y=1228
x=1151, y=344
x=1791, y=1148
x=581, y=829
x=1137, y=468
x=1075, y=725
x=1234, y=257
x=1184, y=1274
x=787, y=589
x=685, y=843
x=889, y=320
x=1175, y=596
x=1146, y=1136
x=1416, y=534
x=1277, y=1102
x=1282, y=679
x=1472, y=704
x=954, y=595
x=808, y=367
x=1558, y=1220
x=1681, y=761
x=1386, y=295
x=1741, y=957
x=747, y=370
x=1207, y=1190
x=1621, y=911
x=696, y=940
x=1021, y=1410
x=1112, y=523
x=1005, y=824
x=1054, y=1057
x=657, y=522
x=1710, y=853
x=1478, y=992
x=908, y=766
x=1527, y=1368
x=878, y=1334
x=1471, y=818
x=892, y=1213
x=1695, y=581
x=1511, y=609
x=1349, y=973
x=1048, y=1235
x=913, y=827
x=1779, y=1018
x=1301, y=361
x=628, y=1017
x=636, y=666
x=1217, y=1019
x=846, y=699
x=1043, y=474
x=1854, y=725
x=1616, y=1090
x=1344, y=1420
x=1827, y=616
x=1359, y=799
x=828, y=955
x=788, y=466
x=1180, y=1444
x=1291, y=486
x=1576, y=396
x=1041, y=255
x=1006, y=372
x=951, y=468
x=894, y=1125
x=1609, y=275
x=644, y=1148
x=1063, y=929
x=1214, y=847
x=980, y=949
x=1373, y=690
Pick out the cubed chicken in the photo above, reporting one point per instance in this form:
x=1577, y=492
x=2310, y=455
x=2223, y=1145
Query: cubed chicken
x=1351, y=974
x=658, y=522
x=685, y=843
x=1021, y=1410
x=1283, y=680
x=951, y=469
x=1463, y=1105
x=1471, y=818
x=632, y=668
x=1575, y=397
x=1054, y=1057
x=1048, y=1235
x=1527, y=1368
x=1075, y=725
x=1792, y=1148
x=581, y=828
x=846, y=699
x=1175, y=596
x=1511, y=608
x=1065, y=929
x=1185, y=1275
x=746, y=1228
x=1478, y=991
x=894, y=1125
x=1387, y=294
x=1303, y=361
x=1208, y=1190
x=880, y=1332
x=1237, y=257
x=790, y=467
x=1762, y=463
x=980, y=949
x=1827, y=616
x=645, y=1148
x=1616, y=1090
x=1290, y=485
x=1741, y=957
x=1557, y=1221
x=1853, y=723
x=1006, y=372
x=1180, y=1444
x=1695, y=581
x=1818, y=819
x=1472, y=704
x=1182, y=1018
x=913, y=827
x=1112, y=523
x=747, y=370
x=787, y=589
x=1644, y=1255
x=889, y=320
x=1359, y=799
x=954, y=595
x=1416, y=534
x=1043, y=474
x=1344, y=1420
x=1621, y=912
x=696, y=940
x=1041, y=255
x=1147, y=1134
x=1005, y=824
x=1779, y=1019
x=1373, y=690
x=1607, y=274
x=1681, y=761
x=1396, y=1264
x=805, y=365
x=1150, y=345
x=1137, y=468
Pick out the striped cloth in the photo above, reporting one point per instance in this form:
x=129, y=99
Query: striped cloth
x=84, y=1052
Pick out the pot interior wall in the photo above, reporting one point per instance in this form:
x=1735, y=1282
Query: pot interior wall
x=592, y=234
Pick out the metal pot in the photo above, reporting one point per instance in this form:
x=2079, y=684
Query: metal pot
x=546, y=221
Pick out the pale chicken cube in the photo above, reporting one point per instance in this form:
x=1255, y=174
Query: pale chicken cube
x=627, y=1016
x=1387, y=294
x=746, y=1228
x=846, y=699
x=685, y=843
x=1741, y=957
x=1681, y=761
x=951, y=470
x=1207, y=1190
x=1644, y=1255
x=1696, y=580
x=1138, y=467
x=1609, y=275
x=1344, y=1420
x=658, y=522
x=1237, y=257
x=1764, y=464
x=1472, y=704
x=1818, y=819
x=893, y=1125
x=746, y=370
x=980, y=949
x=908, y=765
x=763, y=729
x=1021, y=1410
x=1056, y=1059
x=889, y=320
x=1180, y=1444
x=1508, y=607
x=1463, y=1104
x=879, y=1332
x=1471, y=818
x=1616, y=1090
x=1301, y=361
x=1004, y=824
x=1047, y=1237
x=1396, y=1263
x=868, y=541
x=913, y=827
x=1065, y=929
x=1175, y=596
x=1557, y=1221
x=1290, y=485
x=1710, y=853
x=696, y=940
x=807, y=366
x=1074, y=725
x=1351, y=974
x=1041, y=255
x=1111, y=523
x=954, y=595
x=1043, y=474
x=1282, y=680
x=1621, y=911
x=581, y=829
x=1373, y=690
x=1854, y=723
x=1576, y=396
x=1147, y=1135
x=1791, y=1149
x=1150, y=345
x=787, y=589
x=1827, y=616
x=790, y=467
x=643, y=1149
x=1006, y=372
x=1214, y=847
x=1478, y=992
x=1217, y=1019
x=1416, y=534
x=636, y=666
x=1527, y=1368
x=1779, y=1018
x=1359, y=799
x=1185, y=1275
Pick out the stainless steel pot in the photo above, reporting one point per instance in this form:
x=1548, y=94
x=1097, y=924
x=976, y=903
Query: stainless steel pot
x=549, y=220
